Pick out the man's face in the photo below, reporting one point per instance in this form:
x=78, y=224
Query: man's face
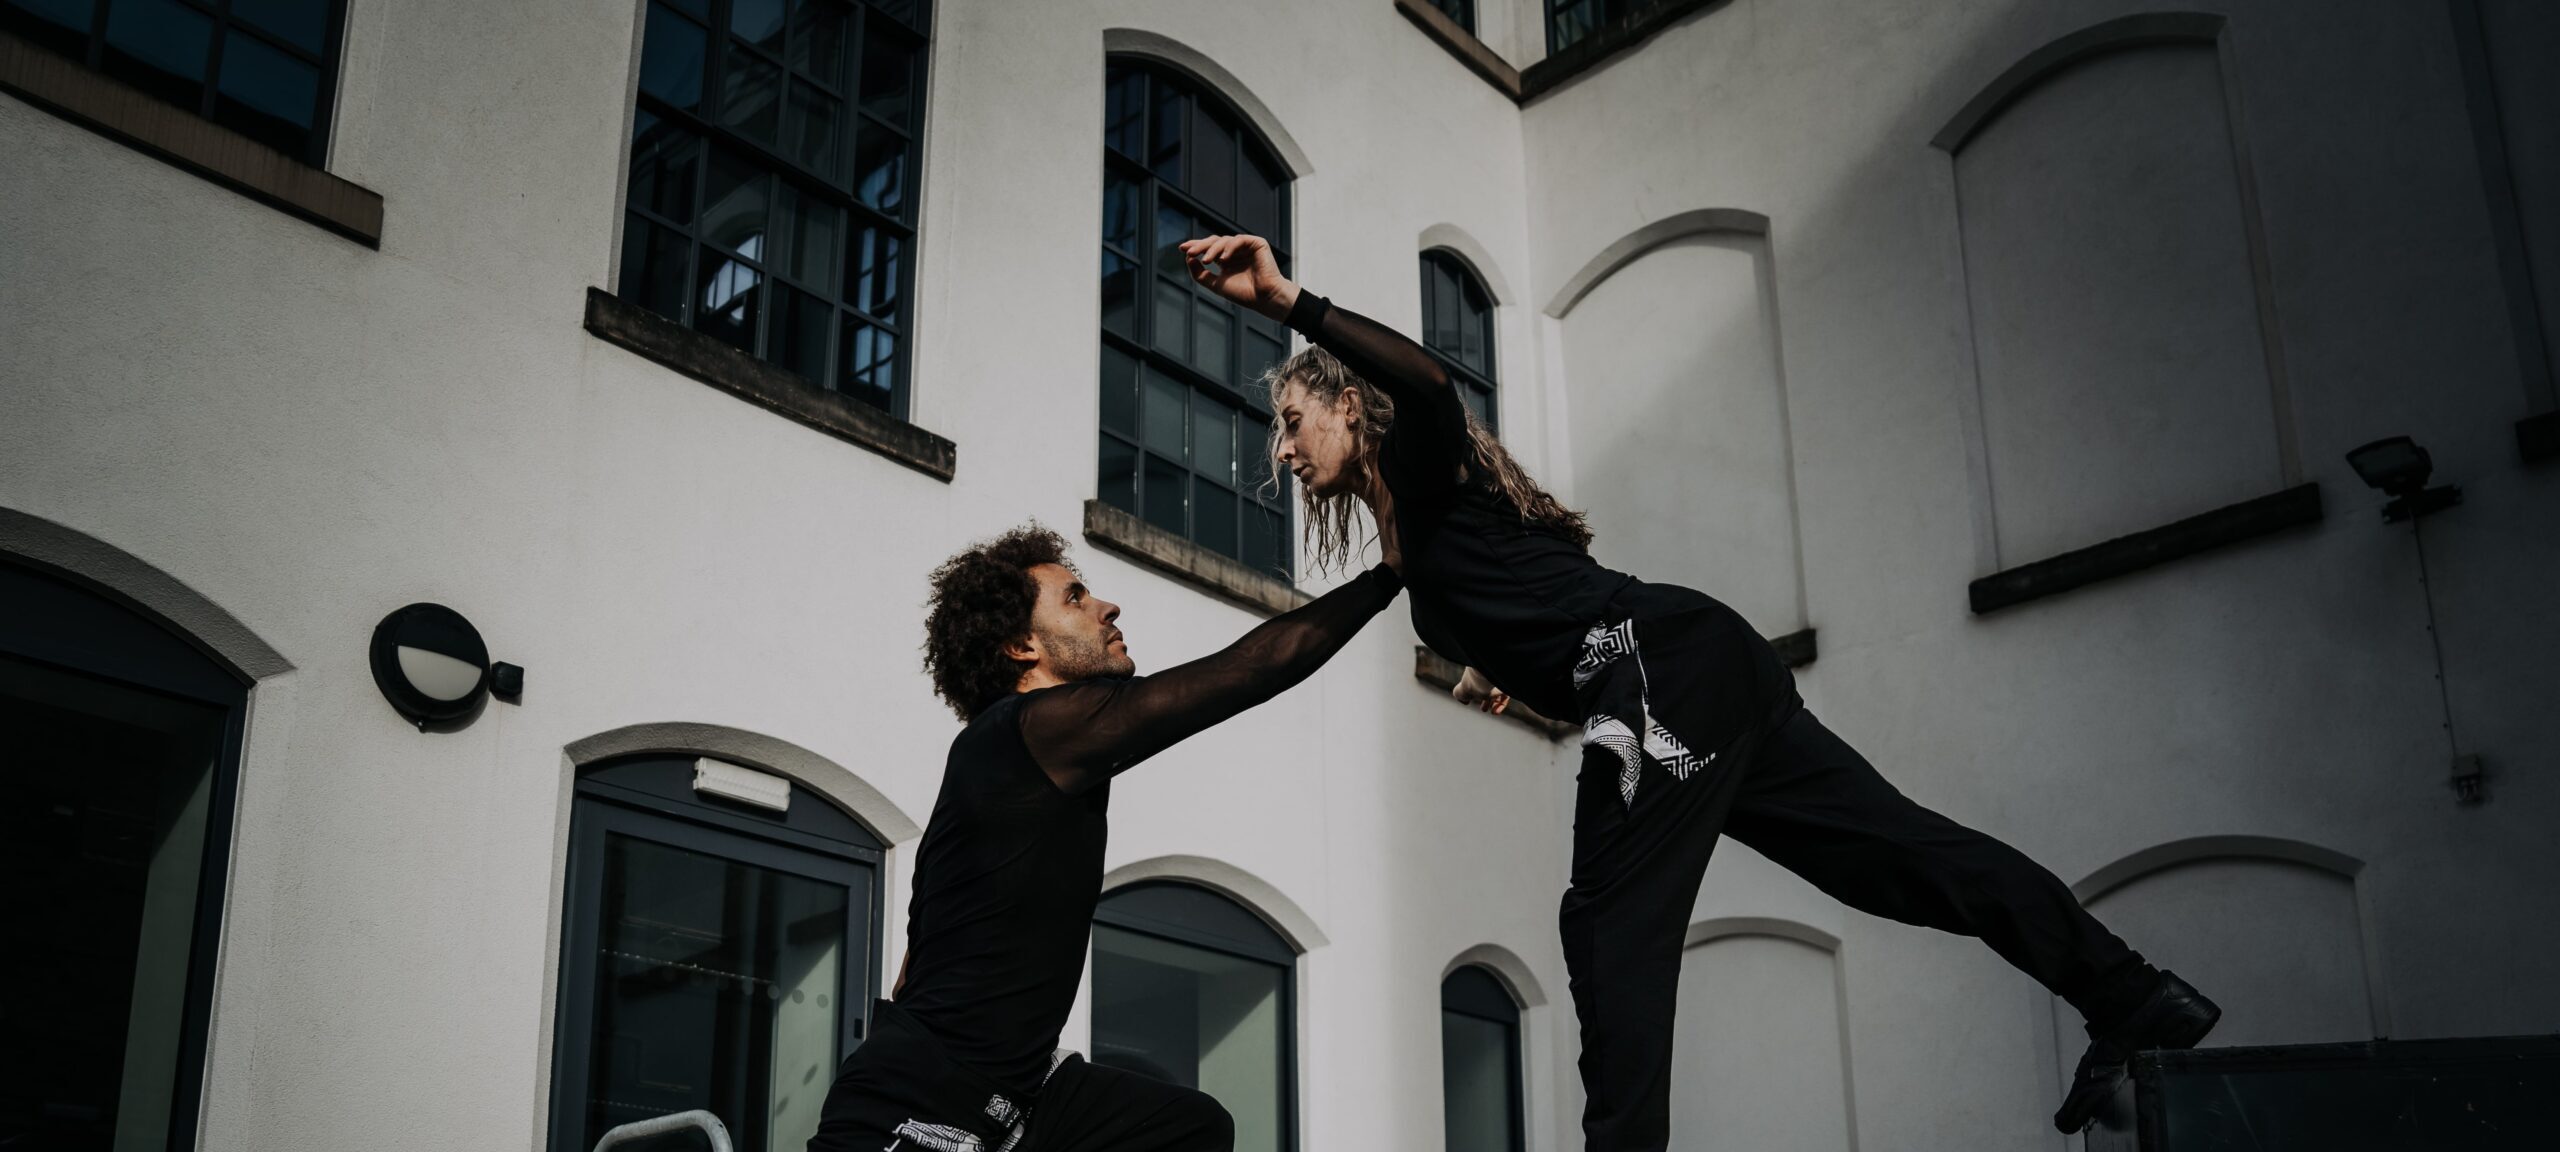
x=1072, y=633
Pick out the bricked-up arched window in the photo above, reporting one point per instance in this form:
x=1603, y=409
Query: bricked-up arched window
x=1183, y=418
x=267, y=70
x=1457, y=326
x=772, y=201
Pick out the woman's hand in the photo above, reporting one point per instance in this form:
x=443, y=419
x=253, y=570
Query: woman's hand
x=1242, y=269
x=1476, y=692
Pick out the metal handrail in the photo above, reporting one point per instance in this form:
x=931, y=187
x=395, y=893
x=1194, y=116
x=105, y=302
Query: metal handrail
x=671, y=1122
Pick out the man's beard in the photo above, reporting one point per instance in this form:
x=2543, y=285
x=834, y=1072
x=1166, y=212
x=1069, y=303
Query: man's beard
x=1074, y=658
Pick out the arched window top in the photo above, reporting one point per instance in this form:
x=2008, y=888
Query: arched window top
x=2115, y=35
x=1194, y=915
x=664, y=782
x=1476, y=991
x=1457, y=326
x=1191, y=139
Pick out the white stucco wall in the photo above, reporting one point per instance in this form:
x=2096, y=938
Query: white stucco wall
x=307, y=434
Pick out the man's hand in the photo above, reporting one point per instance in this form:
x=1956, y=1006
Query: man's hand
x=1242, y=269
x=1476, y=692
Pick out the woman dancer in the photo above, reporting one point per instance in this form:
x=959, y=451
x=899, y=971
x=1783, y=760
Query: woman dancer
x=1692, y=726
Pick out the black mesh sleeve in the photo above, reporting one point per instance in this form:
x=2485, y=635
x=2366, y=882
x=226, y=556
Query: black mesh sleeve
x=1085, y=733
x=1430, y=434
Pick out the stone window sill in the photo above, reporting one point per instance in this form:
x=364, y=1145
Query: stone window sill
x=1523, y=85
x=2247, y=520
x=629, y=326
x=1217, y=575
x=1440, y=672
x=186, y=141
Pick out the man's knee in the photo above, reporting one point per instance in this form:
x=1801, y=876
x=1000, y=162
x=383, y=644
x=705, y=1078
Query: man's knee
x=1210, y=1127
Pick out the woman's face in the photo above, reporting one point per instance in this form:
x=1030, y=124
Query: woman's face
x=1317, y=444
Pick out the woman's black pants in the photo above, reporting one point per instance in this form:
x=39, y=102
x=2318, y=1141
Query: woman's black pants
x=1802, y=797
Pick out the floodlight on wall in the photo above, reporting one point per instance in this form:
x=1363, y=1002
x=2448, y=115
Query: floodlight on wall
x=433, y=667
x=2397, y=467
x=744, y=785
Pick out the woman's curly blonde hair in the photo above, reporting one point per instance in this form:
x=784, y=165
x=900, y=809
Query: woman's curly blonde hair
x=1329, y=519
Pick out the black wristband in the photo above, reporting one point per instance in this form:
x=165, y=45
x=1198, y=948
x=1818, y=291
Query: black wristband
x=1307, y=314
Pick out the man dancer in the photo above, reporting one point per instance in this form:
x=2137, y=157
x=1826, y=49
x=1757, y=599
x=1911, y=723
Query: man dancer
x=963, y=1057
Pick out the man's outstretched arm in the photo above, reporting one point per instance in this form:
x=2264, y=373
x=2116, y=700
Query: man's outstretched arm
x=1085, y=733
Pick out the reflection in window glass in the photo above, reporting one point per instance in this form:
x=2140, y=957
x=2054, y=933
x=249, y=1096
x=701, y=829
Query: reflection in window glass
x=262, y=68
x=1199, y=1018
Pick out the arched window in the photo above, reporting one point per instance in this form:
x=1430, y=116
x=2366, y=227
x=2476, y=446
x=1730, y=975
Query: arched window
x=714, y=955
x=1192, y=989
x=1183, y=414
x=772, y=200
x=1480, y=1063
x=1457, y=324
x=123, y=754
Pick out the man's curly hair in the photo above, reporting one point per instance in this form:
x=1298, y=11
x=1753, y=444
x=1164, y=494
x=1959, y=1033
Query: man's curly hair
x=982, y=599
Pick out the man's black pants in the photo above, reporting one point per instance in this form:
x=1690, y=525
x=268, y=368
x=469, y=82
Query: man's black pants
x=1802, y=797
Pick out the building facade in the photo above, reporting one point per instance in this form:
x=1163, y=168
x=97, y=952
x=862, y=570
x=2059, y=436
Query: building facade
x=2001, y=356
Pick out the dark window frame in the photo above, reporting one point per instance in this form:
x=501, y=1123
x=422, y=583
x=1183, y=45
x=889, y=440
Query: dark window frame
x=89, y=631
x=1231, y=929
x=224, y=25
x=1481, y=389
x=648, y=797
x=711, y=134
x=1574, y=22
x=1460, y=12
x=1142, y=348
x=1495, y=1006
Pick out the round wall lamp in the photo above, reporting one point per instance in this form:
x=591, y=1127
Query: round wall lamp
x=433, y=667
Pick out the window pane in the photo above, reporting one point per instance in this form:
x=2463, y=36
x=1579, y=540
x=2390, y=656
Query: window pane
x=1165, y=158
x=653, y=267
x=159, y=46
x=1212, y=334
x=718, y=985
x=1197, y=1018
x=726, y=297
x=61, y=25
x=101, y=848
x=1119, y=289
x=1119, y=391
x=817, y=40
x=888, y=74
x=879, y=168
x=1260, y=353
x=1480, y=402
x=807, y=239
x=1213, y=439
x=1173, y=226
x=751, y=96
x=904, y=10
x=803, y=327
x=1261, y=550
x=1475, y=1078
x=1253, y=457
x=1213, y=517
x=1118, y=482
x=867, y=365
x=1168, y=411
x=816, y=126
x=758, y=22
x=1213, y=160
x=664, y=158
x=1124, y=112
x=734, y=204
x=1165, y=484
x=1119, y=212
x=1173, y=315
x=266, y=95
x=874, y=255
x=302, y=23
x=671, y=56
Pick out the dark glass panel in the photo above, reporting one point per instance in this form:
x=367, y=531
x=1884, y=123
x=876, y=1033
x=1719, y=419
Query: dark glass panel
x=267, y=96
x=1476, y=1064
x=160, y=47
x=809, y=236
x=727, y=294
x=60, y=25
x=758, y=22
x=867, y=366
x=1260, y=354
x=816, y=124
x=1119, y=292
x=734, y=204
x=889, y=74
x=1192, y=1016
x=1463, y=14
x=1213, y=439
x=302, y=23
x=906, y=11
x=1213, y=159
x=653, y=261
x=1253, y=456
x=1167, y=413
x=1571, y=23
x=1163, y=496
x=751, y=96
x=1213, y=517
x=671, y=56
x=1173, y=315
x=1119, y=391
x=1476, y=335
x=1265, y=191
x=880, y=167
x=803, y=327
x=1173, y=226
x=1212, y=338
x=698, y=9
x=1480, y=402
x=1165, y=156
x=1124, y=111
x=873, y=258
x=664, y=163
x=818, y=30
x=1118, y=476
x=1119, y=212
x=1261, y=551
